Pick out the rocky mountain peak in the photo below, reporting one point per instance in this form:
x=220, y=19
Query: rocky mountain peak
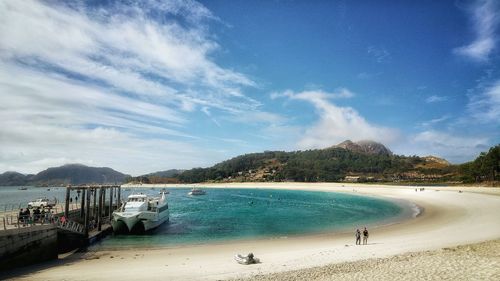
x=365, y=146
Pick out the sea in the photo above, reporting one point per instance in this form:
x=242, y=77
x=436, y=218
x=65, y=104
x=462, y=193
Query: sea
x=236, y=214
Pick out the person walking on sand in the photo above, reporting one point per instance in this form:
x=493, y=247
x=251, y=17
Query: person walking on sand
x=358, y=237
x=365, y=236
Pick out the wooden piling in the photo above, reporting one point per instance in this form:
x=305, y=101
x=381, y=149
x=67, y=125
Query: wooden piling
x=94, y=206
x=66, y=206
x=82, y=204
x=111, y=202
x=99, y=210
x=87, y=211
x=104, y=202
x=119, y=199
x=94, y=194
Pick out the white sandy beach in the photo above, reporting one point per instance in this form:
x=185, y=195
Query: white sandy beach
x=450, y=219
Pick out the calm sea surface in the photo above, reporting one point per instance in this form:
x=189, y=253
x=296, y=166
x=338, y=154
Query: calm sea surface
x=232, y=214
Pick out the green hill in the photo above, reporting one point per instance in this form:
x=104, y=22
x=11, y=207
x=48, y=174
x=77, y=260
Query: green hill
x=66, y=174
x=362, y=161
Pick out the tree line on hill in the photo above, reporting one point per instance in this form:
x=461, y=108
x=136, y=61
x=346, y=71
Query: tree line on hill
x=486, y=167
x=337, y=164
x=324, y=165
x=318, y=165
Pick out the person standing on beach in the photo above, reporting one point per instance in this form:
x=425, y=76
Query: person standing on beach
x=358, y=237
x=365, y=236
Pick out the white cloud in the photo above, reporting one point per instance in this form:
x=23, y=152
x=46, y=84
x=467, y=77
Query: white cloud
x=339, y=93
x=336, y=123
x=130, y=53
x=454, y=148
x=207, y=112
x=109, y=85
x=485, y=106
x=30, y=148
x=435, y=121
x=343, y=93
x=485, y=18
x=435, y=98
x=380, y=54
x=259, y=117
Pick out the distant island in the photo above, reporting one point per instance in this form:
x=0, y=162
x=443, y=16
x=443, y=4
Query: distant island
x=64, y=175
x=363, y=161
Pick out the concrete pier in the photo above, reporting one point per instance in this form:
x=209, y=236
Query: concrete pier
x=28, y=245
x=40, y=240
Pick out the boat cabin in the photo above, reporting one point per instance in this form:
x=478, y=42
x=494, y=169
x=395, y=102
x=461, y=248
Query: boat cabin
x=141, y=202
x=136, y=203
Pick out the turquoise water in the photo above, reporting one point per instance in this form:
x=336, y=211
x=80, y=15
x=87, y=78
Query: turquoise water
x=11, y=197
x=232, y=214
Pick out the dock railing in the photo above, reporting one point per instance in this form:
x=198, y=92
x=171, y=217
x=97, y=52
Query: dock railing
x=10, y=221
x=13, y=220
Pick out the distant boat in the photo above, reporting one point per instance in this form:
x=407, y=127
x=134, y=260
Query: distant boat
x=197, y=191
x=23, y=188
x=48, y=189
x=164, y=190
x=141, y=212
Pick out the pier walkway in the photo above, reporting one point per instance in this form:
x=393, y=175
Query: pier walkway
x=60, y=228
x=89, y=214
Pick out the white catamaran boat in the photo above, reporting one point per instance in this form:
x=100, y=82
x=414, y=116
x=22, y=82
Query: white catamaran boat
x=140, y=213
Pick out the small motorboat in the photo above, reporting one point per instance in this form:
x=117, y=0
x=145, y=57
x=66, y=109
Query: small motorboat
x=164, y=190
x=248, y=259
x=23, y=188
x=197, y=191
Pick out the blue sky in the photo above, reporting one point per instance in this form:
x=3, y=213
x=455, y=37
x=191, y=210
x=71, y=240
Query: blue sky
x=142, y=86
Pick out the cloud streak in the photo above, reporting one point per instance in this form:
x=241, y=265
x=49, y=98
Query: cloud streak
x=454, y=148
x=434, y=99
x=380, y=54
x=103, y=84
x=485, y=106
x=485, y=18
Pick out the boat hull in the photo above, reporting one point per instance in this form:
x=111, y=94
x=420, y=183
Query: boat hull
x=138, y=221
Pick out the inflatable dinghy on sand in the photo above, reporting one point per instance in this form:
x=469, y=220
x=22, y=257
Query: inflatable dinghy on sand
x=248, y=259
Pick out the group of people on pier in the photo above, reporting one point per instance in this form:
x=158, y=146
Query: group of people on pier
x=25, y=217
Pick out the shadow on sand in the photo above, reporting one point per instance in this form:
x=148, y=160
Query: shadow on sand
x=64, y=259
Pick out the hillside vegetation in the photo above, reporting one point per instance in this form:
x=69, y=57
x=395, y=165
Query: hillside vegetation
x=364, y=161
x=348, y=161
x=486, y=167
x=63, y=175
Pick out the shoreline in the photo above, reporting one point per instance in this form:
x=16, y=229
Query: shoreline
x=449, y=219
x=409, y=211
